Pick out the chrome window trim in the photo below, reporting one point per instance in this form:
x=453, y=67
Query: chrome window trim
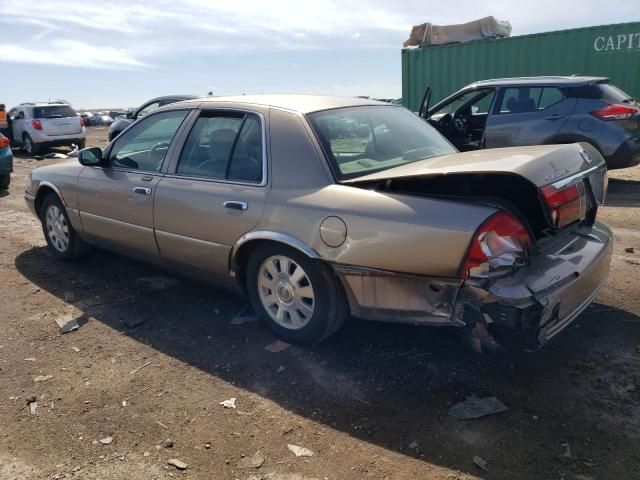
x=265, y=173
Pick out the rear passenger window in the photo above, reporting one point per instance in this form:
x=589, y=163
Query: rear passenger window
x=550, y=96
x=224, y=146
x=529, y=99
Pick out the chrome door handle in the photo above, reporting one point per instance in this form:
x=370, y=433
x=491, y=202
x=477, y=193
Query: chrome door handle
x=142, y=190
x=235, y=205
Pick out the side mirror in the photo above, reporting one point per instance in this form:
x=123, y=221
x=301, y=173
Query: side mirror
x=129, y=115
x=90, y=157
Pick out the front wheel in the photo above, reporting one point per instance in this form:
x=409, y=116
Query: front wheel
x=62, y=239
x=5, y=180
x=300, y=299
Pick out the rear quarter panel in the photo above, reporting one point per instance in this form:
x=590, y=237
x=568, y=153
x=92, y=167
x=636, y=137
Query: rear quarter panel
x=401, y=233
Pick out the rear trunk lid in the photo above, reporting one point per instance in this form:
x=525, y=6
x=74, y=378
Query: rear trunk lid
x=547, y=187
x=58, y=120
x=541, y=165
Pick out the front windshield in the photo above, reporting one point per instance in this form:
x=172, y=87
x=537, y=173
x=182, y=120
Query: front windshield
x=363, y=140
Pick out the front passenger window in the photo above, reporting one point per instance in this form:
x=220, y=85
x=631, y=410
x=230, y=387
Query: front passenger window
x=145, y=144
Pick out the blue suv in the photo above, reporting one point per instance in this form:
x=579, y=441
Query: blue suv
x=512, y=112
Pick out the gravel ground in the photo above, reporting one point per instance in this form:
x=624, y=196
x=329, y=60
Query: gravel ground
x=156, y=354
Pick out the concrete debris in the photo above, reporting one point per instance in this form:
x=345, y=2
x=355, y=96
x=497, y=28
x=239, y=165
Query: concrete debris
x=254, y=461
x=180, y=465
x=231, y=403
x=480, y=462
x=277, y=346
x=33, y=406
x=168, y=443
x=474, y=407
x=67, y=323
x=75, y=349
x=207, y=445
x=300, y=451
x=42, y=378
x=567, y=450
x=630, y=250
x=145, y=454
x=241, y=320
x=106, y=440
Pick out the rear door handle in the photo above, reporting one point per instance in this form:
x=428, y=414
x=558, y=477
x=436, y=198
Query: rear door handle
x=142, y=190
x=555, y=117
x=235, y=205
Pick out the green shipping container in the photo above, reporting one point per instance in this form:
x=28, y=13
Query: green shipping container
x=609, y=50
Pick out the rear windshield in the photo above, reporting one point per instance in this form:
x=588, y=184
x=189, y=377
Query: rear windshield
x=54, y=111
x=364, y=140
x=601, y=91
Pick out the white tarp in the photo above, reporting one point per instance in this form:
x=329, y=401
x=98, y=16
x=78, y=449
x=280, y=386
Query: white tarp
x=428, y=34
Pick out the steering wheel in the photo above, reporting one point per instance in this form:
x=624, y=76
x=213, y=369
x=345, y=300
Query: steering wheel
x=444, y=122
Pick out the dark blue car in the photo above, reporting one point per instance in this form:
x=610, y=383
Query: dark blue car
x=512, y=112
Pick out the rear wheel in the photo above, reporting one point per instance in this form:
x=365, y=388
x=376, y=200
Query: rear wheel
x=5, y=180
x=81, y=144
x=300, y=299
x=30, y=147
x=62, y=239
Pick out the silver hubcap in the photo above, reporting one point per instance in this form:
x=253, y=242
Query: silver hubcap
x=57, y=228
x=286, y=292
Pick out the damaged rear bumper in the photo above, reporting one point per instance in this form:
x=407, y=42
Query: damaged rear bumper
x=529, y=306
x=539, y=301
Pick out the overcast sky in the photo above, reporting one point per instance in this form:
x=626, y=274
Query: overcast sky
x=120, y=53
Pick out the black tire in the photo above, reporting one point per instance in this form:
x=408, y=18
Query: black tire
x=5, y=180
x=330, y=305
x=76, y=248
x=31, y=148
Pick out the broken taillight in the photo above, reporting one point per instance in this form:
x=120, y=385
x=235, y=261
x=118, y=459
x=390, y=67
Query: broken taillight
x=500, y=242
x=566, y=204
x=615, y=111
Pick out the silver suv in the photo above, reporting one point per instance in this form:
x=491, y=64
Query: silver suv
x=38, y=126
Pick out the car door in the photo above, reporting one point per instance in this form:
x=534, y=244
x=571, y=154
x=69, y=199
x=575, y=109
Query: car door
x=527, y=115
x=116, y=200
x=462, y=117
x=215, y=192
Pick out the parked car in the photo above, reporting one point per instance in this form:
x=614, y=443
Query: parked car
x=116, y=114
x=6, y=162
x=38, y=126
x=321, y=207
x=542, y=110
x=131, y=116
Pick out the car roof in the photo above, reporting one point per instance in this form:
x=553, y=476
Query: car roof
x=170, y=97
x=297, y=103
x=44, y=104
x=565, y=81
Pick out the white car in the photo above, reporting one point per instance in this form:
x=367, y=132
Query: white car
x=38, y=126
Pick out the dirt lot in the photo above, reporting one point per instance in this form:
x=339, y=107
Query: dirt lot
x=155, y=355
